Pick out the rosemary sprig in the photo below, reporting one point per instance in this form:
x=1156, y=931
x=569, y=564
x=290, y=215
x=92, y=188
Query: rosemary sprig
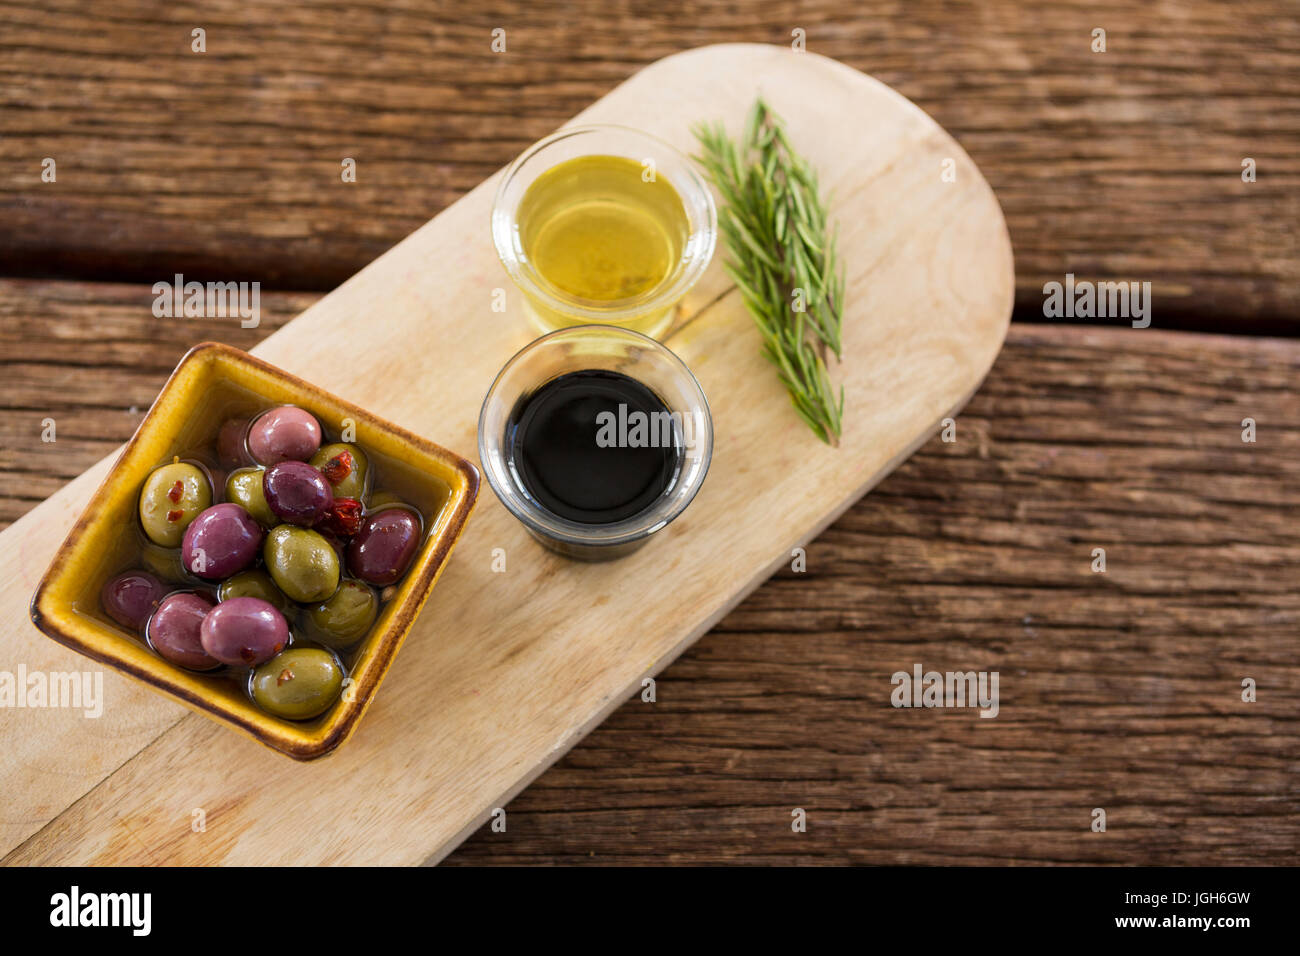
x=782, y=258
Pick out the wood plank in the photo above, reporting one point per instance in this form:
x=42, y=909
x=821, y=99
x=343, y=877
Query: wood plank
x=92, y=358
x=1122, y=165
x=503, y=672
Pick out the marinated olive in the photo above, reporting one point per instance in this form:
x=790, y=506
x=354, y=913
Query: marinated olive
x=383, y=548
x=343, y=518
x=163, y=562
x=346, y=617
x=297, y=493
x=299, y=684
x=221, y=541
x=244, y=631
x=284, y=434
x=254, y=583
x=244, y=488
x=171, y=498
x=340, y=547
x=130, y=597
x=344, y=467
x=231, y=450
x=173, y=631
x=302, y=563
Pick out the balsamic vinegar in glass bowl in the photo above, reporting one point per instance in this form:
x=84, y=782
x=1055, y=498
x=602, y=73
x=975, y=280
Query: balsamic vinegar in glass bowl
x=595, y=438
x=564, y=443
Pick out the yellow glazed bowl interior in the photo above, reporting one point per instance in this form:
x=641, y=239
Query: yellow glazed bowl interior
x=211, y=383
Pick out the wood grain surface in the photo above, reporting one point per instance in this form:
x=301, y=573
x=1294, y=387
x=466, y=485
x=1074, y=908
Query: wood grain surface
x=226, y=165
x=1120, y=690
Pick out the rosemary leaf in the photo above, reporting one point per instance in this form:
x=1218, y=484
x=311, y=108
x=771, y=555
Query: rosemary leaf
x=783, y=259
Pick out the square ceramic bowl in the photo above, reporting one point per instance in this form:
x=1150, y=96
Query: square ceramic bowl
x=211, y=383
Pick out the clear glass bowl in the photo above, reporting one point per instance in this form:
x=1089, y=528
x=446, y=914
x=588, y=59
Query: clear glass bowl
x=552, y=308
x=596, y=347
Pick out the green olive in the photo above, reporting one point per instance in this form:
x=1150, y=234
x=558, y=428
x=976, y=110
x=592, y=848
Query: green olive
x=164, y=562
x=298, y=684
x=352, y=484
x=171, y=498
x=254, y=583
x=244, y=488
x=302, y=563
x=346, y=617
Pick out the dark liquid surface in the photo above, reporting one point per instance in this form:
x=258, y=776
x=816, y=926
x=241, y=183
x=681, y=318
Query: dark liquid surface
x=551, y=439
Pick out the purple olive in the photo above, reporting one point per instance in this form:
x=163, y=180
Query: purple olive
x=223, y=540
x=130, y=597
x=173, y=630
x=286, y=433
x=297, y=493
x=244, y=632
x=231, y=450
x=382, y=549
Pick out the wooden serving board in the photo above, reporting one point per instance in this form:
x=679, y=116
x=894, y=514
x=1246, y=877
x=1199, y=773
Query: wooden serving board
x=505, y=671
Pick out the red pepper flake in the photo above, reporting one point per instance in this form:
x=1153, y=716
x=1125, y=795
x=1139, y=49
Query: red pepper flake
x=338, y=467
x=176, y=492
x=343, y=518
x=286, y=675
x=174, y=516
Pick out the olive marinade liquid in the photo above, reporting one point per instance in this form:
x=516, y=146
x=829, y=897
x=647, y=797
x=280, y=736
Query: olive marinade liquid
x=553, y=447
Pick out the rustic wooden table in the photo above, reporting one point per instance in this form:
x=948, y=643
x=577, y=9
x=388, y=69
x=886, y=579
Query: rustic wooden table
x=1120, y=690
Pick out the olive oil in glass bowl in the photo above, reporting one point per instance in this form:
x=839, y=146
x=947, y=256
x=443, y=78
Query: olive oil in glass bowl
x=603, y=224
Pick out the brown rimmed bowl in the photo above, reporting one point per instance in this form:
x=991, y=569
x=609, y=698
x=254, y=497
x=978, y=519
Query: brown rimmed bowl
x=213, y=382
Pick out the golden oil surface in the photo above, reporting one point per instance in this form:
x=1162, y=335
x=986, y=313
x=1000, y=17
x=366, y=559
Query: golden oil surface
x=596, y=229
